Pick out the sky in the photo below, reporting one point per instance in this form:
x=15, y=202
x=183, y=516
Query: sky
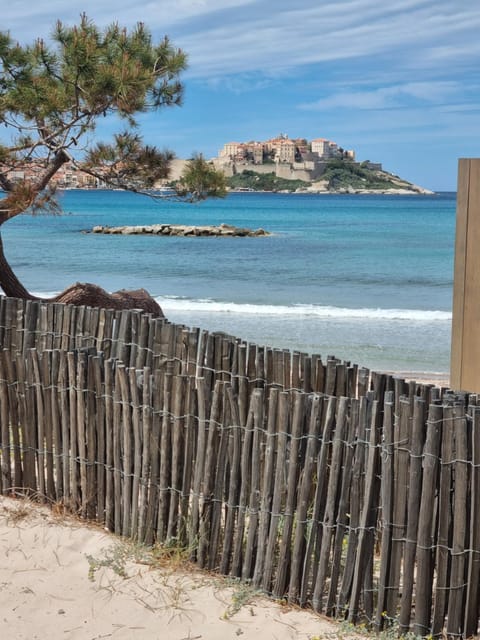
x=398, y=81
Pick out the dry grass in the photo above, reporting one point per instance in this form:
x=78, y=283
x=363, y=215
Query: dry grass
x=18, y=513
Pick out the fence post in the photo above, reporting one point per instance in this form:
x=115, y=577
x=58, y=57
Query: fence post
x=465, y=355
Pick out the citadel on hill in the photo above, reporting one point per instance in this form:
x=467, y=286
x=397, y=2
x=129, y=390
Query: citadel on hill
x=318, y=165
x=295, y=159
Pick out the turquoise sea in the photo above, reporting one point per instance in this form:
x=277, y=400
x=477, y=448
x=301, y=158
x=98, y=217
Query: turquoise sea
x=365, y=278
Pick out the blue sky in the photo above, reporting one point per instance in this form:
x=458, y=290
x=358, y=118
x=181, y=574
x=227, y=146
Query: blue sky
x=397, y=81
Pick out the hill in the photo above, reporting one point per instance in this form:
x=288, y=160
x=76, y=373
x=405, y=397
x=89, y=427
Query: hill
x=340, y=176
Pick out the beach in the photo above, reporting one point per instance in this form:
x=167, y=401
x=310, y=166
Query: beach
x=61, y=577
x=350, y=280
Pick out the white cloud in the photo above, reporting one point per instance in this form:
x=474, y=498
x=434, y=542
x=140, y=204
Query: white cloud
x=239, y=45
x=26, y=20
x=386, y=97
x=334, y=31
x=225, y=37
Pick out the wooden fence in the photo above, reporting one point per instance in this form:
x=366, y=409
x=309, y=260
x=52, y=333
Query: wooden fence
x=353, y=493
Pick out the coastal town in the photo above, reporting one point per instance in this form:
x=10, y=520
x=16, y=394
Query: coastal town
x=297, y=164
x=68, y=176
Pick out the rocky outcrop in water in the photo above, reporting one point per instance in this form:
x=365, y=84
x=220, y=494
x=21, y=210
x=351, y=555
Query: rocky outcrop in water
x=222, y=230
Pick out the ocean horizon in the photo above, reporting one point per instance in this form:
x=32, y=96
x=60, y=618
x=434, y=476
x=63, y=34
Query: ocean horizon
x=365, y=278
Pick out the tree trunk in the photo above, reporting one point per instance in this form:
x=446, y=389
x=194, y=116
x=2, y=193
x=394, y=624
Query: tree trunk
x=11, y=285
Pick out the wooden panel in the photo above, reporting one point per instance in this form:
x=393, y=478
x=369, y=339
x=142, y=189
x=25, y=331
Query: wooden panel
x=465, y=354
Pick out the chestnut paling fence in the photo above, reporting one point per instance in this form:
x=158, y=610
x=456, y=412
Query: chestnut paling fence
x=319, y=482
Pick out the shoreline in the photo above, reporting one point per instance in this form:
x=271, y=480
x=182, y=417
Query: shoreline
x=422, y=377
x=306, y=191
x=341, y=192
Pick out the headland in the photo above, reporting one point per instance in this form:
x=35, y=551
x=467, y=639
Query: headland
x=306, y=166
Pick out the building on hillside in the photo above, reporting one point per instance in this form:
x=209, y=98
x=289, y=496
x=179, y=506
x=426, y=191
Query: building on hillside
x=243, y=152
x=333, y=150
x=281, y=149
x=229, y=150
x=321, y=147
x=302, y=149
x=285, y=151
x=258, y=152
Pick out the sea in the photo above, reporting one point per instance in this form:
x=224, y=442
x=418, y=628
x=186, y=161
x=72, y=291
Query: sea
x=364, y=278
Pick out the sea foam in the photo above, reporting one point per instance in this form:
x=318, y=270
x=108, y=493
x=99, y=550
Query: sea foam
x=301, y=310
x=187, y=305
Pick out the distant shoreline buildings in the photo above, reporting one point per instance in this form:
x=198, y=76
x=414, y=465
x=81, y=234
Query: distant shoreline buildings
x=68, y=176
x=288, y=158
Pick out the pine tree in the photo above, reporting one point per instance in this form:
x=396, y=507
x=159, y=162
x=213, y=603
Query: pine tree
x=52, y=97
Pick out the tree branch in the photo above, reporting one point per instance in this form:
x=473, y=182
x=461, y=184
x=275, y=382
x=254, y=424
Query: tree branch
x=58, y=161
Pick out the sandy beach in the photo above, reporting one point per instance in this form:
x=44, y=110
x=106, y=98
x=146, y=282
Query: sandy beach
x=434, y=379
x=63, y=578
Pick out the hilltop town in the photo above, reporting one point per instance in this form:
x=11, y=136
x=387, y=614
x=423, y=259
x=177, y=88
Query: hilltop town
x=321, y=164
x=298, y=152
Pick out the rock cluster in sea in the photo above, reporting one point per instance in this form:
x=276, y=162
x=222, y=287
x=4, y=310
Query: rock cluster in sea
x=222, y=230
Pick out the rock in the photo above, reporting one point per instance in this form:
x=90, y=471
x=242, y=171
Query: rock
x=223, y=230
x=91, y=295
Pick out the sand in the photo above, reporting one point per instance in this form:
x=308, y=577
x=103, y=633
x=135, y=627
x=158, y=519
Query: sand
x=435, y=379
x=63, y=578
